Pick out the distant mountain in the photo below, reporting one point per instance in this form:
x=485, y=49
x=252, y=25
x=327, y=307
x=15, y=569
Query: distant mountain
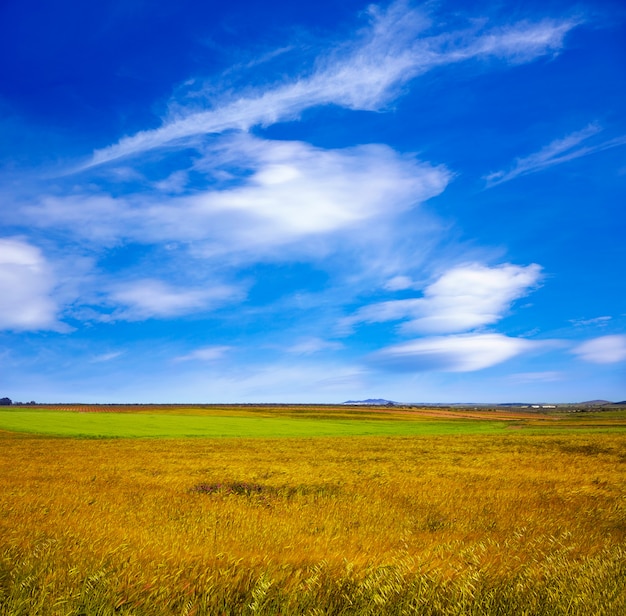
x=595, y=402
x=371, y=402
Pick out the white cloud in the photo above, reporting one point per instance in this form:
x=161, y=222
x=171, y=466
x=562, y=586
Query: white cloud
x=176, y=182
x=210, y=353
x=363, y=75
x=399, y=283
x=27, y=283
x=148, y=298
x=463, y=298
x=309, y=346
x=462, y=353
x=288, y=201
x=261, y=199
x=298, y=190
x=603, y=350
x=555, y=153
x=98, y=218
x=286, y=191
x=520, y=42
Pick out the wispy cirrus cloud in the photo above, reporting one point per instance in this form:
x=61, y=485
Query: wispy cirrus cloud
x=461, y=299
x=575, y=145
x=599, y=321
x=366, y=74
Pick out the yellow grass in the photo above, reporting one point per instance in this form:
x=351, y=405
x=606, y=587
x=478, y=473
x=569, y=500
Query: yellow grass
x=513, y=524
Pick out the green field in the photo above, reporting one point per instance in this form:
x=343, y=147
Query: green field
x=172, y=425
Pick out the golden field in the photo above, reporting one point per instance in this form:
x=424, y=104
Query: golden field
x=528, y=521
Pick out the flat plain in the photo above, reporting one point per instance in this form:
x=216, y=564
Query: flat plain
x=311, y=510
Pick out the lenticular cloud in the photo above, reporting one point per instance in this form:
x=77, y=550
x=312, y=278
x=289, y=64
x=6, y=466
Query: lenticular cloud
x=461, y=299
x=463, y=353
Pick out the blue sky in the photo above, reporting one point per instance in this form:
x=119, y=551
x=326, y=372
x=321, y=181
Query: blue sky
x=312, y=202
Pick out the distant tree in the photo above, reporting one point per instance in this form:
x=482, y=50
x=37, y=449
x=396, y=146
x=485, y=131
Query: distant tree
x=5, y=401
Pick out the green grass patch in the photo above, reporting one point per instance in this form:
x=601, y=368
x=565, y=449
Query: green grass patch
x=131, y=425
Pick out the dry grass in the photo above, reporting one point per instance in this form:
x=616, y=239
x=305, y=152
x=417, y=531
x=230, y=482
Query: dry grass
x=515, y=524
